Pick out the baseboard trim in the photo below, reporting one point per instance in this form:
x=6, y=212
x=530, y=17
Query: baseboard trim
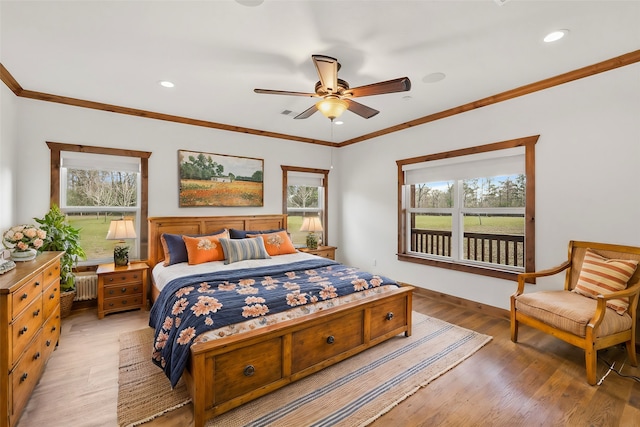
x=465, y=303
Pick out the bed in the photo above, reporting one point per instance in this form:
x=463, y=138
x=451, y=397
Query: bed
x=231, y=365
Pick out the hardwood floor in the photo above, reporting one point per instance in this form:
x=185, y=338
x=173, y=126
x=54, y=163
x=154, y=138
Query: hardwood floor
x=538, y=382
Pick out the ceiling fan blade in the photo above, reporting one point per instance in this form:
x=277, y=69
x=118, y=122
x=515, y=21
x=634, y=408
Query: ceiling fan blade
x=361, y=110
x=390, y=86
x=327, y=68
x=284, y=92
x=307, y=113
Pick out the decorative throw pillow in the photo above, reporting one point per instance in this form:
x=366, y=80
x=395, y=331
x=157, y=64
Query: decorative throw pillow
x=204, y=248
x=242, y=249
x=600, y=275
x=276, y=243
x=242, y=234
x=174, y=248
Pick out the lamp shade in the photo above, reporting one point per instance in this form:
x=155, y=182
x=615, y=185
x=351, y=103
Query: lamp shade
x=311, y=224
x=332, y=107
x=121, y=229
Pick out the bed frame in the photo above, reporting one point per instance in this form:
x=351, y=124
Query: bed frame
x=225, y=373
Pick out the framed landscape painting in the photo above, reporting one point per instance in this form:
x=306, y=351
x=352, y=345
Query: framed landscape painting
x=208, y=179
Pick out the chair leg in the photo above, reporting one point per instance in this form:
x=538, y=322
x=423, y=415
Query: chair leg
x=631, y=352
x=591, y=358
x=514, y=330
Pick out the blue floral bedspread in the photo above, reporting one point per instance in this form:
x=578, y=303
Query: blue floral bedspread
x=189, y=306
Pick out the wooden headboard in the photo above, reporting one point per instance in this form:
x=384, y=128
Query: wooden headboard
x=204, y=225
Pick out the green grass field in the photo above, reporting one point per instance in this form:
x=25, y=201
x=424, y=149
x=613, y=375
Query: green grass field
x=93, y=233
x=93, y=229
x=474, y=224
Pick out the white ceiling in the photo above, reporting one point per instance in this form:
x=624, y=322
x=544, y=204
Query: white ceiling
x=217, y=52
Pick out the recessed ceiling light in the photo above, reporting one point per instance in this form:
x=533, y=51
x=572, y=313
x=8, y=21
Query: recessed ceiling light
x=166, y=83
x=338, y=123
x=555, y=35
x=434, y=77
x=250, y=3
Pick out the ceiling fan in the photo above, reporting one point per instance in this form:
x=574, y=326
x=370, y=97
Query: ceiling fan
x=336, y=94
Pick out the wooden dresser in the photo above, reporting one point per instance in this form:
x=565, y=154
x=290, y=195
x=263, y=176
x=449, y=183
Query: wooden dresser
x=29, y=329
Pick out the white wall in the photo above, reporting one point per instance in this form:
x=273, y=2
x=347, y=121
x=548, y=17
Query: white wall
x=587, y=178
x=587, y=165
x=40, y=122
x=8, y=159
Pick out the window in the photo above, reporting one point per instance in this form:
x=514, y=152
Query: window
x=95, y=185
x=304, y=194
x=470, y=210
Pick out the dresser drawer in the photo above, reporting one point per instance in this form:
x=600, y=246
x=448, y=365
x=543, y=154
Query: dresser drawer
x=122, y=303
x=25, y=327
x=51, y=297
x=241, y=371
x=123, y=277
x=26, y=294
x=388, y=317
x=318, y=343
x=50, y=334
x=51, y=273
x=112, y=291
x=24, y=377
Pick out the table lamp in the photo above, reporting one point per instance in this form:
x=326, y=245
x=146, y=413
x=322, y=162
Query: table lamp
x=311, y=224
x=119, y=230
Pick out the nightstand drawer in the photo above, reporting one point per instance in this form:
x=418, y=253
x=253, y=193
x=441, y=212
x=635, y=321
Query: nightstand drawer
x=112, y=291
x=326, y=253
x=119, y=278
x=122, y=303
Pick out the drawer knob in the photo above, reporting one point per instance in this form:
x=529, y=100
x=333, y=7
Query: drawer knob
x=135, y=276
x=389, y=315
x=123, y=290
x=23, y=330
x=331, y=339
x=36, y=313
x=36, y=284
x=48, y=343
x=111, y=279
x=110, y=291
x=53, y=328
x=36, y=356
x=52, y=296
x=249, y=371
x=24, y=296
x=23, y=377
x=124, y=302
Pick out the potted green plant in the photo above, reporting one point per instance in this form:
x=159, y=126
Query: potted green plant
x=61, y=236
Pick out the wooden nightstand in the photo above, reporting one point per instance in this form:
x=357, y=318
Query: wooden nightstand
x=323, y=251
x=122, y=288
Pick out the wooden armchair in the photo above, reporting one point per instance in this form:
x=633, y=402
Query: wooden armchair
x=580, y=314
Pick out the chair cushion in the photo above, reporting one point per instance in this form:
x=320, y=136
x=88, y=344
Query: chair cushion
x=570, y=311
x=600, y=275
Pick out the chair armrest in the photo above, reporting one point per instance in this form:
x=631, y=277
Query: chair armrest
x=522, y=277
x=601, y=308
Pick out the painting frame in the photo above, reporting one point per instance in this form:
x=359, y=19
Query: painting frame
x=219, y=180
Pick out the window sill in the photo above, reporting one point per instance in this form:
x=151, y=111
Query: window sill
x=500, y=274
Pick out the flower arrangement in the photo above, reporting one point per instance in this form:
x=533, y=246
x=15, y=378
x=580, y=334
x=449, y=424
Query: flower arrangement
x=24, y=237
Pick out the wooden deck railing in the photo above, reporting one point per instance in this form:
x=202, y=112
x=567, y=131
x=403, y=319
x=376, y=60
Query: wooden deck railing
x=505, y=249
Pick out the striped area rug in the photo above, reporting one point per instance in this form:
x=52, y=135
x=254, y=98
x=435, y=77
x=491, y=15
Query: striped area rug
x=358, y=390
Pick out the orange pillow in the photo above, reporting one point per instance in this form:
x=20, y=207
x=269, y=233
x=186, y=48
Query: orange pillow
x=204, y=248
x=276, y=243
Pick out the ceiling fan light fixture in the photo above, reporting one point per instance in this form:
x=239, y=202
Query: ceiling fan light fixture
x=332, y=107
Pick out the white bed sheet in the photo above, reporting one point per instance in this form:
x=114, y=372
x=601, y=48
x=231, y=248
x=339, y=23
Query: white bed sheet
x=163, y=275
